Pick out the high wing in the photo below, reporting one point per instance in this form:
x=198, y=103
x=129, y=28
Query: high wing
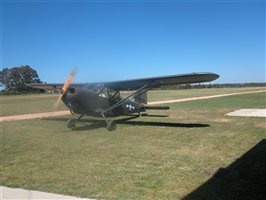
x=135, y=84
x=51, y=86
x=154, y=82
x=143, y=85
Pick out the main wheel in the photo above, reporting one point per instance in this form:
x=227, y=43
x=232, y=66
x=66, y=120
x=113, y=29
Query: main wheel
x=71, y=123
x=111, y=126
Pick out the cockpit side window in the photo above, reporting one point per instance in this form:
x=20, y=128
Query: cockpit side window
x=103, y=93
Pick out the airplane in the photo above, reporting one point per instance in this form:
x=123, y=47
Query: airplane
x=102, y=99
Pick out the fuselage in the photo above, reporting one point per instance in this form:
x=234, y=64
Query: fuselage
x=93, y=100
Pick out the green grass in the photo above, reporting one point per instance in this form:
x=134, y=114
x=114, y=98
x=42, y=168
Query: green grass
x=145, y=158
x=26, y=104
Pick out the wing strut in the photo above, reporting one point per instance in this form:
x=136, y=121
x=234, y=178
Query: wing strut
x=140, y=91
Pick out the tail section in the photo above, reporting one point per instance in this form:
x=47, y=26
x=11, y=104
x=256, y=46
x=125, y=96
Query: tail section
x=142, y=98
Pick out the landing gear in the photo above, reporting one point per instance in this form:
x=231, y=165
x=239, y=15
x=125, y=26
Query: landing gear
x=110, y=124
x=71, y=123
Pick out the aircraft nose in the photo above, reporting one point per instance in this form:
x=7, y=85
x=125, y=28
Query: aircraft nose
x=72, y=100
x=70, y=94
x=71, y=90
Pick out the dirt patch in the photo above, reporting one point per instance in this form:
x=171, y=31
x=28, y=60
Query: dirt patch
x=33, y=116
x=199, y=98
x=230, y=134
x=224, y=120
x=261, y=125
x=202, y=150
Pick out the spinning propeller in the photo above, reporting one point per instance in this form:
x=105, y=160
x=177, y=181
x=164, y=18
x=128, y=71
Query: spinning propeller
x=66, y=86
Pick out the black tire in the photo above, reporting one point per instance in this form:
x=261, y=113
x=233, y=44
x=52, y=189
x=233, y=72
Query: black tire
x=71, y=123
x=111, y=126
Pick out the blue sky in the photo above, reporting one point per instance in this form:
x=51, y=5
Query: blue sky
x=114, y=40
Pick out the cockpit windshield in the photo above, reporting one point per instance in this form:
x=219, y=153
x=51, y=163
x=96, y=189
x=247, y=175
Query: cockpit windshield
x=102, y=91
x=94, y=88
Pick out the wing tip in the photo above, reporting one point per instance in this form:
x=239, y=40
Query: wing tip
x=211, y=76
x=215, y=76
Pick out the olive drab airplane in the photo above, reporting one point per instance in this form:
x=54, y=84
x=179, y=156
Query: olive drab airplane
x=103, y=99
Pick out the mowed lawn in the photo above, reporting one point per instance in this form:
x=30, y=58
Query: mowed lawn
x=27, y=104
x=150, y=157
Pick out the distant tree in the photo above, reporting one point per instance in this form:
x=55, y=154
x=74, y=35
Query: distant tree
x=14, y=79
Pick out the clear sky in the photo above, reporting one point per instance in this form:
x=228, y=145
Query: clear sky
x=116, y=40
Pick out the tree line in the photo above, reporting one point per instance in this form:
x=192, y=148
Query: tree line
x=216, y=85
x=223, y=85
x=13, y=80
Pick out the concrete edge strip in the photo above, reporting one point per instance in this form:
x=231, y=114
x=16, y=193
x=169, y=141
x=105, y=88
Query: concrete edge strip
x=22, y=194
x=248, y=113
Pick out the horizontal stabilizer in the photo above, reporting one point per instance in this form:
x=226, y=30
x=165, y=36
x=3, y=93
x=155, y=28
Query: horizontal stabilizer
x=157, y=107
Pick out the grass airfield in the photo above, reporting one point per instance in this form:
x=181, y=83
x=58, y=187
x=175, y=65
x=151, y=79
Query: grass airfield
x=27, y=104
x=150, y=157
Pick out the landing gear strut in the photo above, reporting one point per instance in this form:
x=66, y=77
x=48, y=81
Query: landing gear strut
x=110, y=124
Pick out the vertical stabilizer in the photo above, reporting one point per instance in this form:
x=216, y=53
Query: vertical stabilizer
x=142, y=98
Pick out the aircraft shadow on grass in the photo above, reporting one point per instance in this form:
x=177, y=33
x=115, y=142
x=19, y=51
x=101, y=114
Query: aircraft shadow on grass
x=244, y=179
x=90, y=124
